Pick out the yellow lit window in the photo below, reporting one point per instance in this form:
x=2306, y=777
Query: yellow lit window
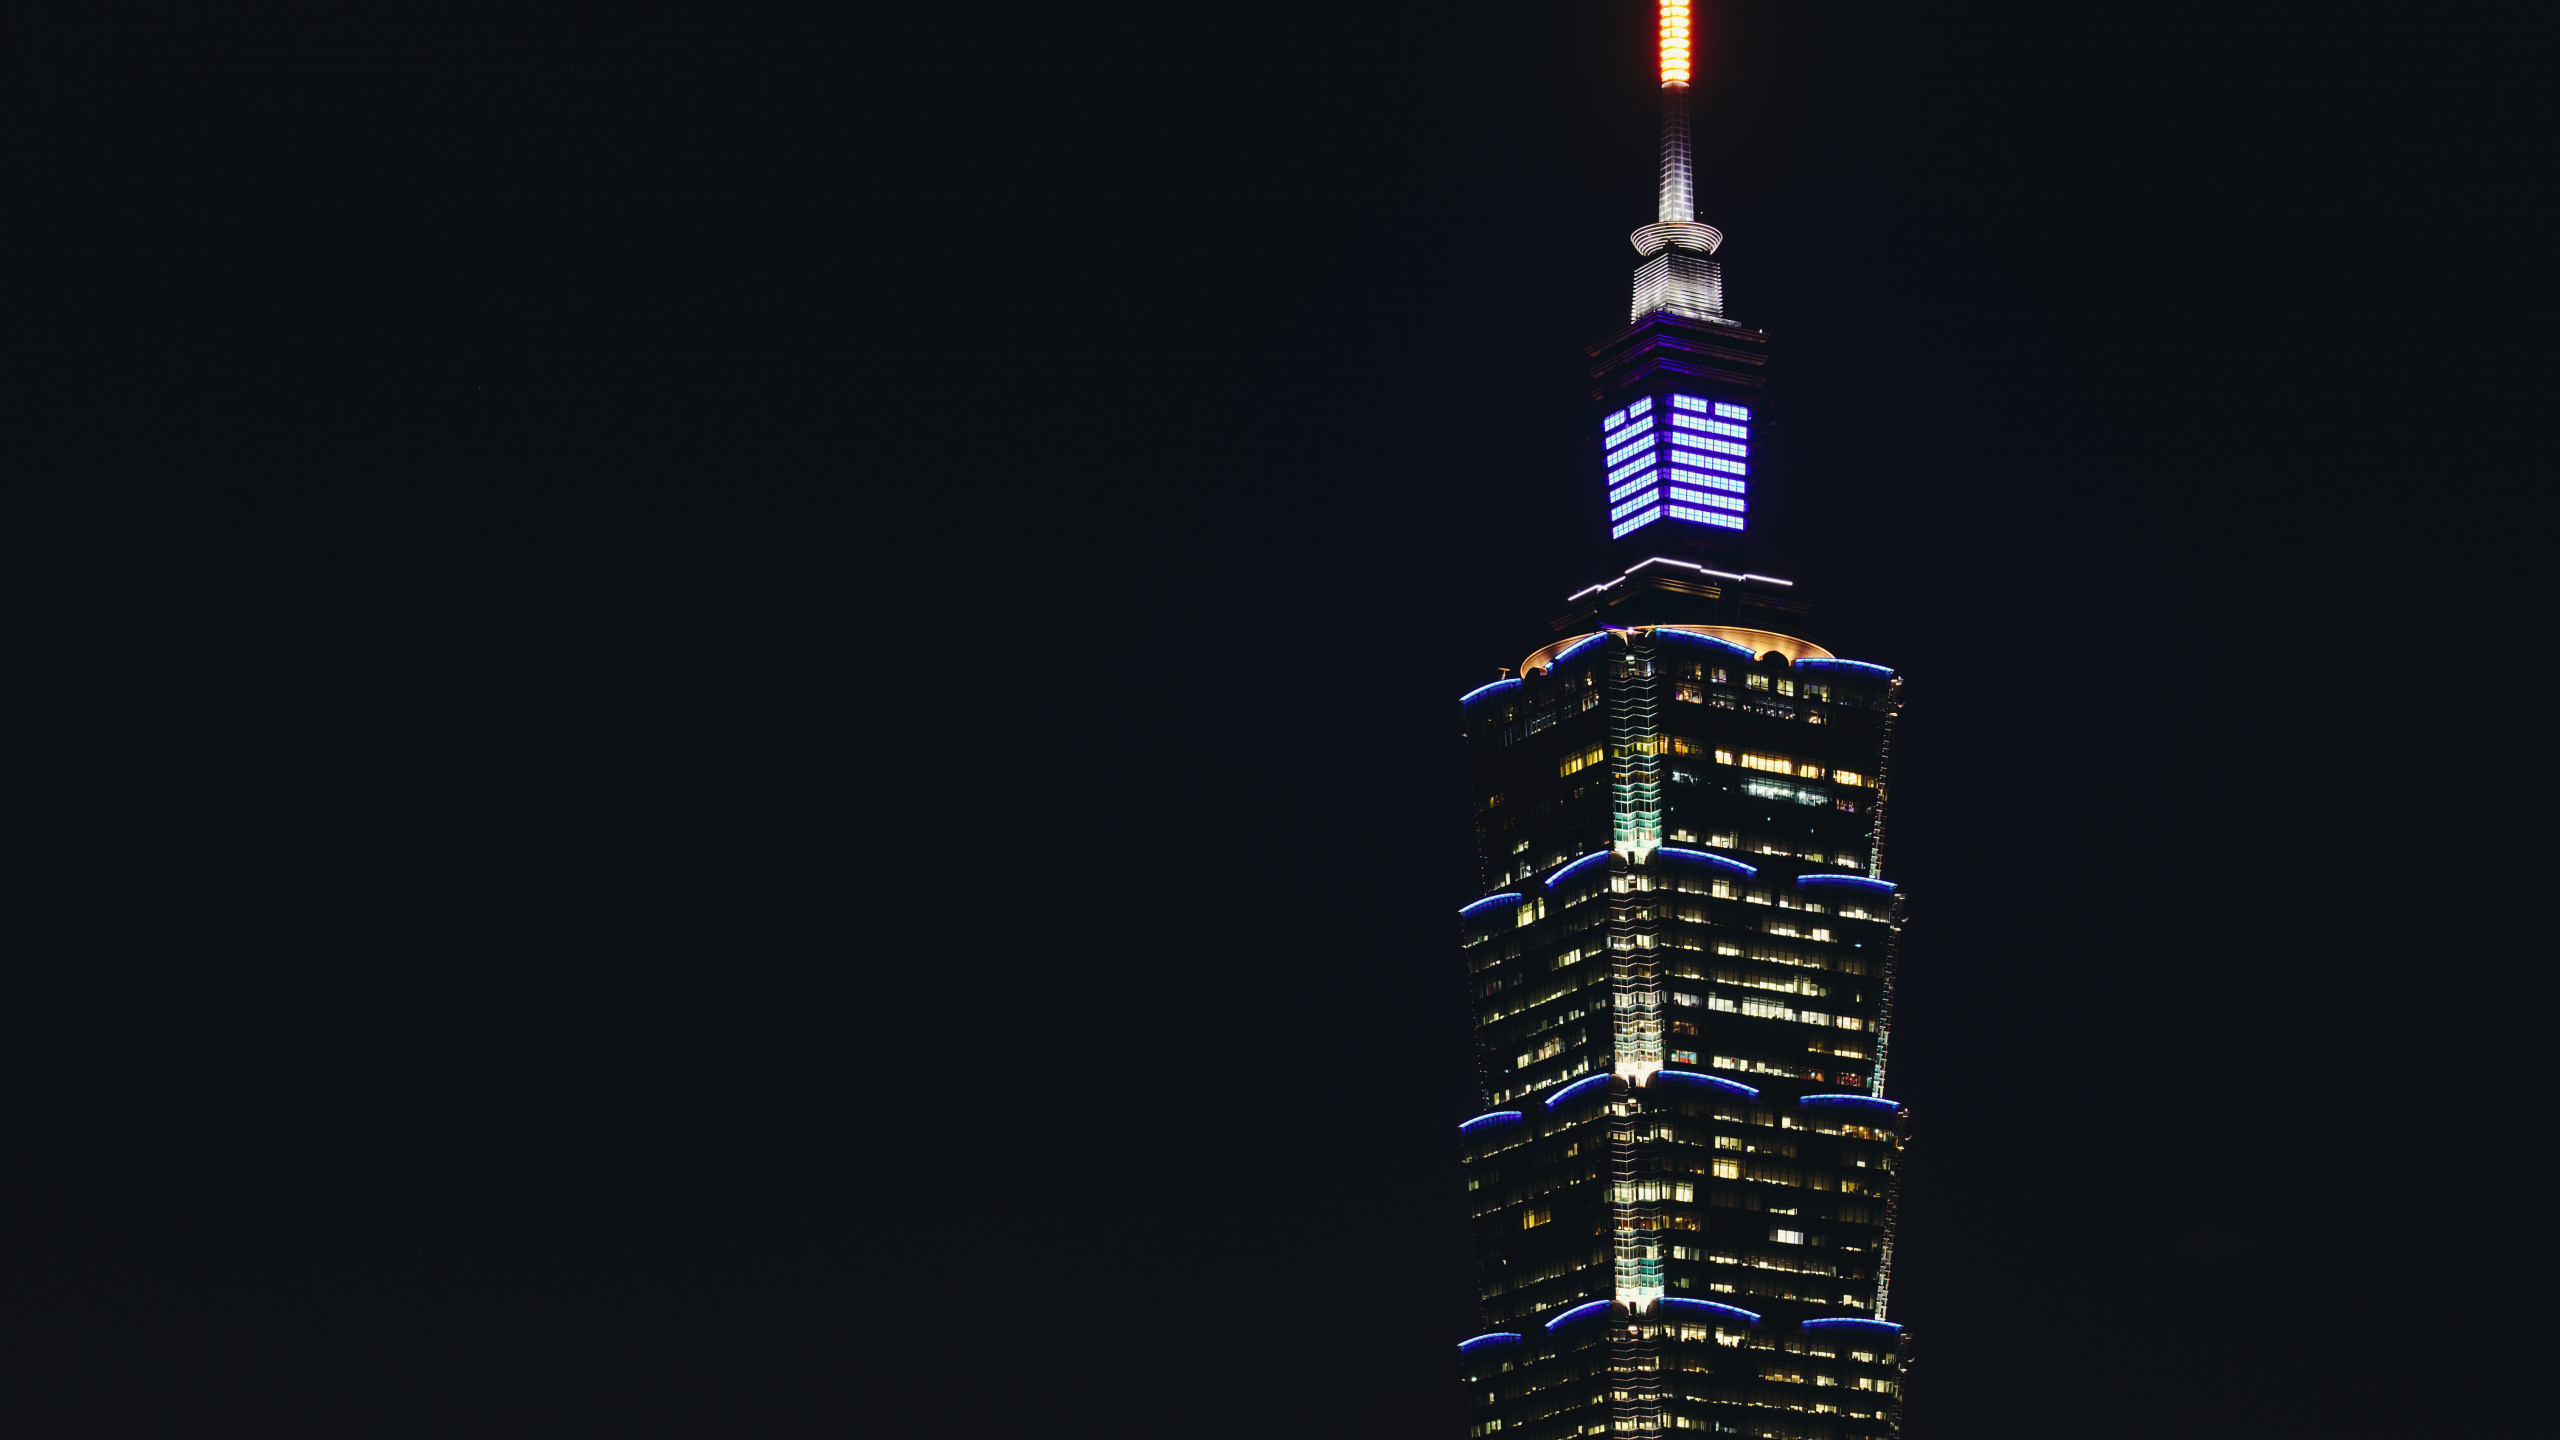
x=1728, y=1169
x=1848, y=777
x=1774, y=764
x=1581, y=760
x=1807, y=770
x=1724, y=757
x=1756, y=682
x=1532, y=1219
x=1786, y=687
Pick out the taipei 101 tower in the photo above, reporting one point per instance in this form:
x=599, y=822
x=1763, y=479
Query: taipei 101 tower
x=1682, y=1169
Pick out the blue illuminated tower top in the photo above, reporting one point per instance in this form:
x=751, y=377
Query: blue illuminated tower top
x=1678, y=419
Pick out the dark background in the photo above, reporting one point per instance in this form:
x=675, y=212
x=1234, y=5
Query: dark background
x=743, y=727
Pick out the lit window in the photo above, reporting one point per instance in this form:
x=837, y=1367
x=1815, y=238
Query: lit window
x=1755, y=682
x=1774, y=764
x=1625, y=527
x=1848, y=777
x=1728, y=1169
x=1726, y=483
x=1700, y=497
x=1704, y=517
x=1786, y=687
x=1724, y=757
x=1644, y=462
x=1709, y=442
x=1733, y=412
x=1642, y=499
x=1532, y=1219
x=1632, y=486
x=1581, y=760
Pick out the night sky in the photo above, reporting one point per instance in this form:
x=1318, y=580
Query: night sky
x=747, y=730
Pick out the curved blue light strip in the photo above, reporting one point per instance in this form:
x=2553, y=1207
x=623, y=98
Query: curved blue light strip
x=1734, y=865
x=1855, y=1102
x=1577, y=1312
x=1488, y=900
x=1746, y=1316
x=1736, y=1086
x=1860, y=881
x=1469, y=697
x=1498, y=1337
x=1576, y=865
x=1848, y=1322
x=1577, y=647
x=1466, y=1125
x=1851, y=664
x=1584, y=1083
x=1695, y=638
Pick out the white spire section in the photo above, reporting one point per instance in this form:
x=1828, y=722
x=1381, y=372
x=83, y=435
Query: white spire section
x=1679, y=276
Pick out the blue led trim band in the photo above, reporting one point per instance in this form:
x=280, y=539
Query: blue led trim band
x=1852, y=1322
x=1721, y=1083
x=1470, y=697
x=1860, y=881
x=1853, y=1102
x=1746, y=1316
x=1570, y=650
x=1724, y=862
x=1578, y=1312
x=1498, y=1337
x=1569, y=1091
x=1822, y=663
x=1488, y=900
x=1595, y=855
x=1694, y=638
x=1487, y=1118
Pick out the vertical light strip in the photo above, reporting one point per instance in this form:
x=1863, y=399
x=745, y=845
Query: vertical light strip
x=1675, y=42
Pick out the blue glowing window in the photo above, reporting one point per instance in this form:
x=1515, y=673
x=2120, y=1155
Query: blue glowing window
x=1579, y=1312
x=1498, y=1337
x=1645, y=462
x=1638, y=483
x=1733, y=412
x=1642, y=446
x=1709, y=442
x=1641, y=407
x=1619, y=512
x=1726, y=483
x=1712, y=502
x=1747, y=1317
x=1705, y=517
x=1715, y=462
x=1713, y=427
x=1639, y=522
x=1614, y=421
x=1690, y=402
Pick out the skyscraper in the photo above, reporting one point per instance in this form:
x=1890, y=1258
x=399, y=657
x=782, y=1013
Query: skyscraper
x=1682, y=1181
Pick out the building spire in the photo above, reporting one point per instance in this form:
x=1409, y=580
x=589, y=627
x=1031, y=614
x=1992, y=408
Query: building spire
x=1679, y=276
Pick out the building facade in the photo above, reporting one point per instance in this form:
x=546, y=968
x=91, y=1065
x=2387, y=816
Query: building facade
x=1682, y=1179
